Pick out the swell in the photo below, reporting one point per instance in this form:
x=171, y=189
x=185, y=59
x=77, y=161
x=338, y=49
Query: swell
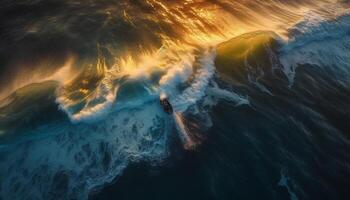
x=307, y=46
x=119, y=29
x=76, y=158
x=105, y=97
x=80, y=157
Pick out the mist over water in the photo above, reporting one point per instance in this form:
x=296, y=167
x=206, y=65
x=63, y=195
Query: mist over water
x=260, y=93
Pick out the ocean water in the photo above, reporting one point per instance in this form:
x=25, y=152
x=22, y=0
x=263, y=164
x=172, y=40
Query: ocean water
x=260, y=91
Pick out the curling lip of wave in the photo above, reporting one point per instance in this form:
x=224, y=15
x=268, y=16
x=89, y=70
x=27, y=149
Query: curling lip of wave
x=304, y=45
x=79, y=148
x=63, y=75
x=175, y=75
x=197, y=88
x=180, y=22
x=195, y=22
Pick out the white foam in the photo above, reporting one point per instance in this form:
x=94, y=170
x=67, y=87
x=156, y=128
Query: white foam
x=78, y=152
x=176, y=63
x=215, y=93
x=318, y=42
x=285, y=182
x=197, y=88
x=126, y=131
x=176, y=74
x=95, y=112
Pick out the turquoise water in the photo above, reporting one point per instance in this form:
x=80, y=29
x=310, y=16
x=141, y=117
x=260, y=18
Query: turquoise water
x=269, y=124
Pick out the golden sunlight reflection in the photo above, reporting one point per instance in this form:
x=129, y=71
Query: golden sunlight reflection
x=64, y=75
x=163, y=38
x=199, y=22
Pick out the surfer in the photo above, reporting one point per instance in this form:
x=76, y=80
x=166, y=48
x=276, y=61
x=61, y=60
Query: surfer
x=166, y=105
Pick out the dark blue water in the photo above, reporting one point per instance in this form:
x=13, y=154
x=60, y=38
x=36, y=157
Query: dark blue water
x=268, y=117
x=292, y=145
x=291, y=142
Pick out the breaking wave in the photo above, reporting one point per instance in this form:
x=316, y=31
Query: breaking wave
x=318, y=41
x=79, y=157
x=117, y=118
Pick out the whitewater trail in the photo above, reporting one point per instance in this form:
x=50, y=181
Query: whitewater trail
x=69, y=160
x=193, y=93
x=184, y=133
x=197, y=88
x=90, y=155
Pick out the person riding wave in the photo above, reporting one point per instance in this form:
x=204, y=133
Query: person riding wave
x=166, y=105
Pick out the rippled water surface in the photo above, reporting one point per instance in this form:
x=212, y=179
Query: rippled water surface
x=260, y=92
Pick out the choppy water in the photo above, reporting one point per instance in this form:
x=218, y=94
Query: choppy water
x=261, y=93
